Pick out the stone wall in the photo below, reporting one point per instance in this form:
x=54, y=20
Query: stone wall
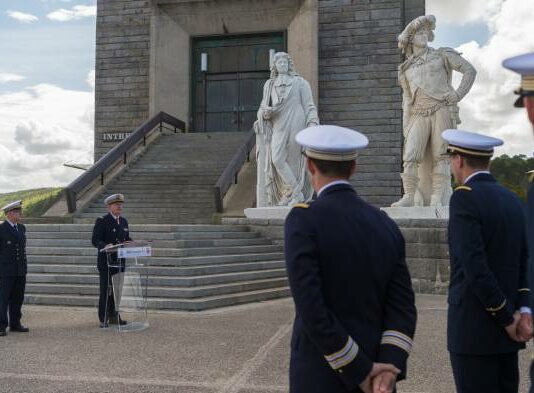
x=427, y=252
x=122, y=63
x=358, y=87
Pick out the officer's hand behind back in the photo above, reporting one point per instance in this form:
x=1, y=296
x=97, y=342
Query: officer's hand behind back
x=378, y=368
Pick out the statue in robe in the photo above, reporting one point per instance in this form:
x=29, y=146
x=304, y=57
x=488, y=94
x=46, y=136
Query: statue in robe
x=287, y=107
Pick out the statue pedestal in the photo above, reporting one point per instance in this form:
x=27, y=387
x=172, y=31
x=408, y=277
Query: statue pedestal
x=418, y=212
x=268, y=213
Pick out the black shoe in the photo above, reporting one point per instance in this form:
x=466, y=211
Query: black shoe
x=104, y=325
x=19, y=329
x=117, y=321
x=3, y=332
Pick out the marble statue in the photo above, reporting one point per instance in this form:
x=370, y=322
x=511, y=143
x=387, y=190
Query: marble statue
x=286, y=108
x=430, y=105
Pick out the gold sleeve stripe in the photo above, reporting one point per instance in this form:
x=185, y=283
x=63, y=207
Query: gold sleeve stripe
x=396, y=333
x=398, y=339
x=343, y=357
x=463, y=188
x=524, y=289
x=491, y=309
x=302, y=205
x=396, y=342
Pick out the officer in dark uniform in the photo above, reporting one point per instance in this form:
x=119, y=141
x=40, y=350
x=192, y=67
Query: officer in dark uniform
x=13, y=269
x=355, y=311
x=524, y=65
x=109, y=230
x=488, y=288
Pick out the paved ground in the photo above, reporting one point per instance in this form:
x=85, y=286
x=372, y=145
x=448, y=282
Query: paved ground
x=236, y=350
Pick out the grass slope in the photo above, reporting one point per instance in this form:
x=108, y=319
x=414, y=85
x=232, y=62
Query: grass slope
x=35, y=202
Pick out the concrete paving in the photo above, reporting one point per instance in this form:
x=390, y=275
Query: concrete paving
x=235, y=350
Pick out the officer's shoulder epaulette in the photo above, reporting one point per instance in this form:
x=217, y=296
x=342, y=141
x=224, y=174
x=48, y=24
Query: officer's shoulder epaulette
x=302, y=205
x=465, y=188
x=530, y=176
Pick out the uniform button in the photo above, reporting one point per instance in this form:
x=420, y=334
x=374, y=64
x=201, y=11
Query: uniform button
x=340, y=371
x=493, y=314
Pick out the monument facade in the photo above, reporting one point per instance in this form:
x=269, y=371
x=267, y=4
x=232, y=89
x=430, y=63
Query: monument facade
x=206, y=61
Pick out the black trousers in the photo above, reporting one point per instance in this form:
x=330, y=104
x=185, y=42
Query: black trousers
x=485, y=373
x=106, y=301
x=11, y=299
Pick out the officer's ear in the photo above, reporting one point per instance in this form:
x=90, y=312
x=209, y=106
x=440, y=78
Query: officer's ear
x=353, y=168
x=311, y=166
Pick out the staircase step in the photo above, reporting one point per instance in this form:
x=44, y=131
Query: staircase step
x=160, y=280
x=160, y=291
x=161, y=252
x=158, y=261
x=164, y=270
x=198, y=304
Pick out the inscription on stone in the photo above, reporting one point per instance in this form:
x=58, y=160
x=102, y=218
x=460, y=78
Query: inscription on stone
x=114, y=136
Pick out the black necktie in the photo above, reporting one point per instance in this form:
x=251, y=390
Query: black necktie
x=16, y=228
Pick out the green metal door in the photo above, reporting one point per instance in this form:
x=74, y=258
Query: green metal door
x=228, y=77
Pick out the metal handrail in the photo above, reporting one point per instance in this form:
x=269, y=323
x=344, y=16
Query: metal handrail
x=119, y=152
x=229, y=175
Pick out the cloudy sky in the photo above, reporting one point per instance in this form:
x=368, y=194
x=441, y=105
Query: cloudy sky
x=47, y=80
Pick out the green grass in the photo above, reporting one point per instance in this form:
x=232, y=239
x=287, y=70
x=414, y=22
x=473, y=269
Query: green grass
x=35, y=202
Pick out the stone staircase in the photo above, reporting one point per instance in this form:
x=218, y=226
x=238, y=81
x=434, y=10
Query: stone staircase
x=172, y=182
x=194, y=267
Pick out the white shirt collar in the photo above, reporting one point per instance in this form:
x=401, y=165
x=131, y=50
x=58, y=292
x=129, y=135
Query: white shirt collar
x=10, y=223
x=335, y=182
x=115, y=217
x=474, y=174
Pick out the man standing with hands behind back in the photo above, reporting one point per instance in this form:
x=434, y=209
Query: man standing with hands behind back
x=489, y=317
x=354, y=302
x=13, y=269
x=524, y=65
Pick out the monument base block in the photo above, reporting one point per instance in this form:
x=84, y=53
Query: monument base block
x=268, y=213
x=418, y=212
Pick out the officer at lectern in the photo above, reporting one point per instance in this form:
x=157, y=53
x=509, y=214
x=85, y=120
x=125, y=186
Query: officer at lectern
x=109, y=230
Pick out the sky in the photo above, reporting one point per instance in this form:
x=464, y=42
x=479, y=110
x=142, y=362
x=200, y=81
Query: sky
x=47, y=56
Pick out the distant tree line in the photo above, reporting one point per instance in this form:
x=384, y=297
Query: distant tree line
x=511, y=172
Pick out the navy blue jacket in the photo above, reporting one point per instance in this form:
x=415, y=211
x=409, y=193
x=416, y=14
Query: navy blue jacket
x=488, y=256
x=108, y=231
x=352, y=290
x=530, y=239
x=13, y=250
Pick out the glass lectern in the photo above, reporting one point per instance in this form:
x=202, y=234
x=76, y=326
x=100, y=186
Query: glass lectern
x=129, y=283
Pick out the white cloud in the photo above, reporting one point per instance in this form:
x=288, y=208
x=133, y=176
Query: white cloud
x=91, y=77
x=75, y=13
x=5, y=77
x=488, y=108
x=42, y=127
x=463, y=11
x=22, y=17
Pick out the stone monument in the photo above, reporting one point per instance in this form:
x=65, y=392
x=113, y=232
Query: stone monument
x=287, y=107
x=430, y=105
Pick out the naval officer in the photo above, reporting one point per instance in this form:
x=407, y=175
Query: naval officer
x=524, y=65
x=488, y=290
x=109, y=230
x=13, y=269
x=355, y=312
